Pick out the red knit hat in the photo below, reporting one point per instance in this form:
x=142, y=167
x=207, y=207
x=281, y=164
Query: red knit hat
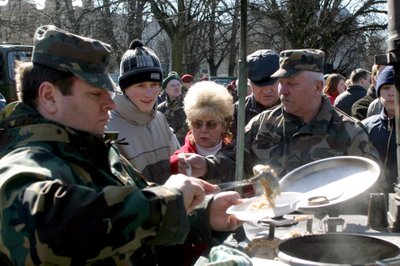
x=187, y=78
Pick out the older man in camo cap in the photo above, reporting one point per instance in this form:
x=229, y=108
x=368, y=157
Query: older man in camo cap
x=303, y=128
x=305, y=66
x=67, y=196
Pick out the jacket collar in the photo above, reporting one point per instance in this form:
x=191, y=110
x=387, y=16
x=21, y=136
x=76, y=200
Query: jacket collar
x=23, y=124
x=254, y=106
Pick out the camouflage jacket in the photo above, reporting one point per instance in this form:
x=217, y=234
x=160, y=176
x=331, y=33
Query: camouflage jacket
x=252, y=108
x=69, y=198
x=284, y=142
x=176, y=117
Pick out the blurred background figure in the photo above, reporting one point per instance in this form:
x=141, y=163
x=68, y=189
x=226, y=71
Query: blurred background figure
x=360, y=81
x=2, y=101
x=348, y=83
x=163, y=94
x=335, y=84
x=187, y=81
x=264, y=89
x=381, y=128
x=205, y=77
x=148, y=140
x=376, y=106
x=360, y=107
x=209, y=109
x=232, y=89
x=172, y=107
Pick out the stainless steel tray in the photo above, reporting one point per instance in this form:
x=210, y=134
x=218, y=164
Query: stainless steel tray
x=334, y=179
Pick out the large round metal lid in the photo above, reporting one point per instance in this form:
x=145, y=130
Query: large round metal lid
x=330, y=181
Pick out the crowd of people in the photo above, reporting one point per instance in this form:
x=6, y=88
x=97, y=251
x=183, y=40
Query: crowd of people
x=99, y=174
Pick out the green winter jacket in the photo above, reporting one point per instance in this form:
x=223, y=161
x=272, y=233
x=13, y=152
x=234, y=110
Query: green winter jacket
x=69, y=198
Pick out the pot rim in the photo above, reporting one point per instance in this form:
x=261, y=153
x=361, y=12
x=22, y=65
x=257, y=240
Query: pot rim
x=292, y=260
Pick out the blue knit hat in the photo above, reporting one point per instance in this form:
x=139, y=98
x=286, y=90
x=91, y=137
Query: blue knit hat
x=385, y=77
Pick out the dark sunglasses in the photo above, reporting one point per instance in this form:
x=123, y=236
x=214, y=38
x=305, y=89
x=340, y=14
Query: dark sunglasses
x=197, y=124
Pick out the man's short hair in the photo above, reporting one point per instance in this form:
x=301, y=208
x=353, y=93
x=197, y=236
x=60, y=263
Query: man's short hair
x=359, y=73
x=29, y=76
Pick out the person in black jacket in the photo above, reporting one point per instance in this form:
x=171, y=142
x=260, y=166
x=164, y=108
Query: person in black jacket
x=360, y=107
x=261, y=65
x=360, y=81
x=381, y=128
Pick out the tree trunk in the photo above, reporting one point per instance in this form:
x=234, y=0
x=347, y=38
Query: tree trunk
x=177, y=52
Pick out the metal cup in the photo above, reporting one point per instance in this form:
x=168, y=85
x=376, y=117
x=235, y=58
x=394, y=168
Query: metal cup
x=377, y=211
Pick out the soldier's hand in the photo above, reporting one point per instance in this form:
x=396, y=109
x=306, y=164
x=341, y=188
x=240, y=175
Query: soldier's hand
x=219, y=219
x=193, y=189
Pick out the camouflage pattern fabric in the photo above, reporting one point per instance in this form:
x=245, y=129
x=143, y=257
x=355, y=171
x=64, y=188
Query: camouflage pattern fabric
x=86, y=58
x=284, y=142
x=176, y=117
x=293, y=61
x=68, y=198
x=251, y=109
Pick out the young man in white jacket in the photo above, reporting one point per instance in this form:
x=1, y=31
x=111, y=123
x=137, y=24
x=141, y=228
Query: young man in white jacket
x=145, y=137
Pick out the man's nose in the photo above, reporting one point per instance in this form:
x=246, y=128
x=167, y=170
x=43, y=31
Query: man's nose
x=282, y=89
x=109, y=103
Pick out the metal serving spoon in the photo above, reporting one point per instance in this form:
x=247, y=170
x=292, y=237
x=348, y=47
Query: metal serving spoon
x=263, y=174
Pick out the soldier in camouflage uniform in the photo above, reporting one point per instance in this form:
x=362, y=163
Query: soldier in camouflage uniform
x=304, y=128
x=67, y=196
x=172, y=107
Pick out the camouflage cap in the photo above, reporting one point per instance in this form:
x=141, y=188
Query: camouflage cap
x=85, y=58
x=293, y=61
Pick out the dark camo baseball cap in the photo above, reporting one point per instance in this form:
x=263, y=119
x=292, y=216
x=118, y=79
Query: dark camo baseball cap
x=293, y=61
x=85, y=58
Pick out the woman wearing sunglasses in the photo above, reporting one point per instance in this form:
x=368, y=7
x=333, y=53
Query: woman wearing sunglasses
x=209, y=111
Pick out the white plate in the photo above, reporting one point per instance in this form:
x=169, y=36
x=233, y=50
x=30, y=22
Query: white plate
x=285, y=203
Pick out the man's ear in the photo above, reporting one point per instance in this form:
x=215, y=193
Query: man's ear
x=319, y=84
x=47, y=97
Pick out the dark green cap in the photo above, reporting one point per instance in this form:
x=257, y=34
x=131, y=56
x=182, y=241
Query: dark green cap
x=85, y=58
x=292, y=62
x=171, y=75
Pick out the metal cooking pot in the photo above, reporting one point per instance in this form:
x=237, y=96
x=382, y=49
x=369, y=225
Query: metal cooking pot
x=337, y=249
